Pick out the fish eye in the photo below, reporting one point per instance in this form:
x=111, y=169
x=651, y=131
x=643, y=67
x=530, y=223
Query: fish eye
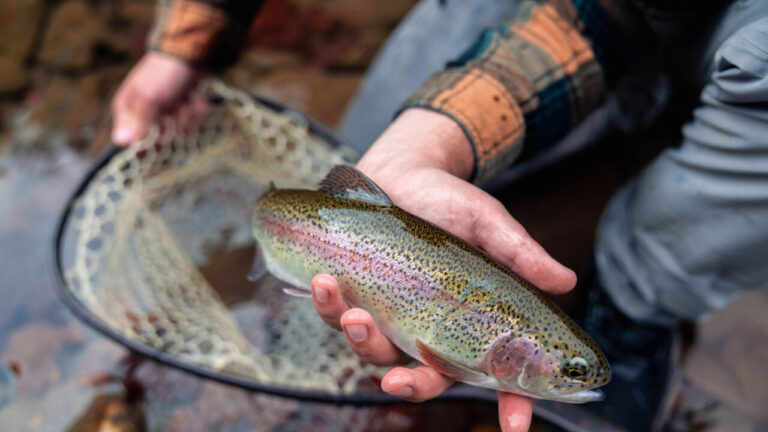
x=576, y=368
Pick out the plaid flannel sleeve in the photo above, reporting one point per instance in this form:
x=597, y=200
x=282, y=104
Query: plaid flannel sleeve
x=524, y=85
x=206, y=33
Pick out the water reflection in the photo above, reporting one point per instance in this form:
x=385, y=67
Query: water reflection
x=57, y=374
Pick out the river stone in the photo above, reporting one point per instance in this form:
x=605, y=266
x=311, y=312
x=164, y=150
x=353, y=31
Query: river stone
x=71, y=37
x=19, y=21
x=729, y=357
x=14, y=76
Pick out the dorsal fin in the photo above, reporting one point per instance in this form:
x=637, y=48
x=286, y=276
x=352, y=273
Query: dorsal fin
x=347, y=181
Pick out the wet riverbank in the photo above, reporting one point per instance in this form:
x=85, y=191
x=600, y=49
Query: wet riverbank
x=57, y=374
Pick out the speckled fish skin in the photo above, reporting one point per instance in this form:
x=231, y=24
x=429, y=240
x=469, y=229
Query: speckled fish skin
x=434, y=296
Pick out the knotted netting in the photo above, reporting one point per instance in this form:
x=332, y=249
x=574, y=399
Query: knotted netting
x=160, y=235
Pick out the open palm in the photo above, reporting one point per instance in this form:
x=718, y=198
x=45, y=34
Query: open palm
x=420, y=162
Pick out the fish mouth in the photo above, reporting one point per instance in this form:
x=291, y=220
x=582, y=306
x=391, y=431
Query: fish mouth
x=579, y=396
x=554, y=394
x=582, y=396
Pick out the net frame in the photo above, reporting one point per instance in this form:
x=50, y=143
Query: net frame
x=88, y=314
x=240, y=100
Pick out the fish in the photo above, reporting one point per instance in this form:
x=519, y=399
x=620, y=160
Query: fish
x=437, y=298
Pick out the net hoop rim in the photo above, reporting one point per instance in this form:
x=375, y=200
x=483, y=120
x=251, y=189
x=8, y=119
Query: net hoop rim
x=82, y=312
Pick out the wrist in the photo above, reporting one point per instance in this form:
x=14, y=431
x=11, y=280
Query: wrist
x=421, y=138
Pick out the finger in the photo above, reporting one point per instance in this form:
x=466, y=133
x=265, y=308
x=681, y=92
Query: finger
x=514, y=412
x=132, y=117
x=122, y=123
x=416, y=385
x=366, y=340
x=327, y=299
x=182, y=116
x=198, y=105
x=499, y=234
x=474, y=215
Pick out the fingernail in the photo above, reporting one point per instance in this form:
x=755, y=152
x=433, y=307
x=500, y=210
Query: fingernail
x=123, y=135
x=403, y=392
x=321, y=294
x=517, y=421
x=357, y=332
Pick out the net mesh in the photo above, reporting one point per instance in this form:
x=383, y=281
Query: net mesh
x=161, y=235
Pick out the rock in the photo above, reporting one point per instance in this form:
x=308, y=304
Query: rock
x=696, y=410
x=128, y=22
x=96, y=360
x=362, y=14
x=14, y=76
x=179, y=401
x=137, y=11
x=77, y=107
x=255, y=63
x=53, y=101
x=326, y=38
x=19, y=24
x=110, y=413
x=729, y=358
x=52, y=410
x=35, y=348
x=90, y=105
x=277, y=26
x=71, y=37
x=221, y=407
x=361, y=53
x=330, y=34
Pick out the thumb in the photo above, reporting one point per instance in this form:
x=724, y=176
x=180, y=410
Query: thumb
x=474, y=215
x=498, y=233
x=487, y=224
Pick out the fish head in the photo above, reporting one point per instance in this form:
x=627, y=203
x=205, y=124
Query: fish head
x=568, y=368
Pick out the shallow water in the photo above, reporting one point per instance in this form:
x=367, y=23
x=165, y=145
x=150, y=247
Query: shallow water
x=57, y=374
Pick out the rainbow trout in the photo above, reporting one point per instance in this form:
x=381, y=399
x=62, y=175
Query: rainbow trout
x=437, y=298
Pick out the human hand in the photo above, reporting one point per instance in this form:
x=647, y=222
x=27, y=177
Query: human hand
x=158, y=86
x=421, y=162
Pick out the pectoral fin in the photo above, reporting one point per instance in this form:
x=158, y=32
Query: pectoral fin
x=446, y=366
x=259, y=267
x=297, y=292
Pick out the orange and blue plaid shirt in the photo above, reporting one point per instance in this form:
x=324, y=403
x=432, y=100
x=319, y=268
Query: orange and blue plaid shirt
x=526, y=83
x=206, y=33
x=521, y=87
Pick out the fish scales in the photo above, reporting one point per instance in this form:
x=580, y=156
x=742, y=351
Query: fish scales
x=436, y=297
x=390, y=264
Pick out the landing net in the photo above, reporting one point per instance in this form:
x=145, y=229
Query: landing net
x=159, y=246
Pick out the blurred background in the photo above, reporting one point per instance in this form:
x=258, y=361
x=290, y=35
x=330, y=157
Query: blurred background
x=60, y=63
